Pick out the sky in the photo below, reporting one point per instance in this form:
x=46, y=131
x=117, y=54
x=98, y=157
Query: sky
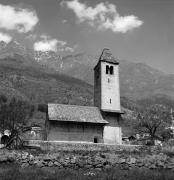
x=134, y=30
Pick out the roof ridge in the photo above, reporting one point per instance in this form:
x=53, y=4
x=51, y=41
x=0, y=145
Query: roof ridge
x=107, y=56
x=73, y=105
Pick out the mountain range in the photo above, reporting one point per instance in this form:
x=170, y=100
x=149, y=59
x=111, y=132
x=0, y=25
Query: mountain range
x=45, y=72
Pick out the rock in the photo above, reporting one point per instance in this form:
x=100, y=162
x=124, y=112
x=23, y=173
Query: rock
x=39, y=164
x=152, y=166
x=121, y=160
x=45, y=163
x=73, y=161
x=160, y=164
x=169, y=166
x=81, y=164
x=31, y=157
x=24, y=165
x=35, y=161
x=140, y=164
x=102, y=155
x=98, y=169
x=31, y=162
x=46, y=158
x=25, y=155
x=132, y=161
x=99, y=166
x=88, y=166
x=24, y=160
x=11, y=158
x=50, y=164
x=107, y=166
x=3, y=158
x=57, y=164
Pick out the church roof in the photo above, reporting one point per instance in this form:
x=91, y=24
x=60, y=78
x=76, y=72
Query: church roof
x=108, y=57
x=62, y=112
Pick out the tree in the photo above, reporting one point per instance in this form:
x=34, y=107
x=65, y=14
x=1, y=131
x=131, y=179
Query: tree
x=153, y=119
x=43, y=108
x=14, y=115
x=19, y=112
x=167, y=134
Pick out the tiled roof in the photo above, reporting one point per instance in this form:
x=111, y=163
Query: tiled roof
x=62, y=112
x=107, y=56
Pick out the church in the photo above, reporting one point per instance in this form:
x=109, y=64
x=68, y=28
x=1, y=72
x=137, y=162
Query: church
x=100, y=123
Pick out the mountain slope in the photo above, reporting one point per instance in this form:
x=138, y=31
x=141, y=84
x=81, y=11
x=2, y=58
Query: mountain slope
x=23, y=77
x=137, y=80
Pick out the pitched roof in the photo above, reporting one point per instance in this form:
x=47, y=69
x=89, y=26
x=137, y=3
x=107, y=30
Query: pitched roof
x=107, y=56
x=62, y=112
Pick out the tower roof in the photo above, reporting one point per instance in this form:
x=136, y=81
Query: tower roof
x=108, y=57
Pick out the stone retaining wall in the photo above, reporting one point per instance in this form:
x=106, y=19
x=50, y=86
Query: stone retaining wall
x=97, y=161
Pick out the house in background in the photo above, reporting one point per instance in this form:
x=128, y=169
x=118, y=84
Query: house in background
x=95, y=124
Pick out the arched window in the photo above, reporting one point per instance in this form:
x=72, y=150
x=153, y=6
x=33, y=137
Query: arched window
x=109, y=69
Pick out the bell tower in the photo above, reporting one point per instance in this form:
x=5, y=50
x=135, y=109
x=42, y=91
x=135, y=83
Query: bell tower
x=106, y=83
x=107, y=95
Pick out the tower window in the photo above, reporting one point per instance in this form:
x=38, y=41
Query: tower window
x=109, y=69
x=110, y=101
x=108, y=80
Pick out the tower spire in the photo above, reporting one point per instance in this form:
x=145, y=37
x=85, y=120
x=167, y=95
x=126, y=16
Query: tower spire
x=107, y=56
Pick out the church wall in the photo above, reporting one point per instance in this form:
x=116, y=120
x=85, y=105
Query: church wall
x=73, y=131
x=112, y=131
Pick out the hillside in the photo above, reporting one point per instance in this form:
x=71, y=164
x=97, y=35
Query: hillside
x=137, y=80
x=22, y=76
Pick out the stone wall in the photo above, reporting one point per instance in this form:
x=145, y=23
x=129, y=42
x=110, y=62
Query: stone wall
x=86, y=160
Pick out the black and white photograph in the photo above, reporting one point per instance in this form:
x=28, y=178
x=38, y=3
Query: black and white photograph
x=86, y=89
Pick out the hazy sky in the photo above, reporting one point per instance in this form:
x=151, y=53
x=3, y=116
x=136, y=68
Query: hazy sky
x=135, y=30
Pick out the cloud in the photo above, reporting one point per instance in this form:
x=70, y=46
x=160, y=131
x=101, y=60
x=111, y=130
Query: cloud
x=5, y=37
x=103, y=16
x=21, y=20
x=49, y=44
x=46, y=45
x=69, y=49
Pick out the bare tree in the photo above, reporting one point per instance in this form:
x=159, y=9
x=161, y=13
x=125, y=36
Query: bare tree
x=152, y=120
x=14, y=115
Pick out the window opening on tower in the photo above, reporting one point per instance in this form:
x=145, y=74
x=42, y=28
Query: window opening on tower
x=109, y=69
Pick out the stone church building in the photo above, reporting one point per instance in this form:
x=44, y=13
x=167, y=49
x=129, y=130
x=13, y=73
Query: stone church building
x=93, y=124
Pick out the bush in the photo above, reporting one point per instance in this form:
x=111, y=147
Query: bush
x=168, y=149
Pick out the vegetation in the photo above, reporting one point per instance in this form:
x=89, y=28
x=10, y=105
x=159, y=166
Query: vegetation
x=13, y=172
x=14, y=115
x=152, y=119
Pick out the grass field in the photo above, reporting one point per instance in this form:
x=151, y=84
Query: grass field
x=13, y=172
